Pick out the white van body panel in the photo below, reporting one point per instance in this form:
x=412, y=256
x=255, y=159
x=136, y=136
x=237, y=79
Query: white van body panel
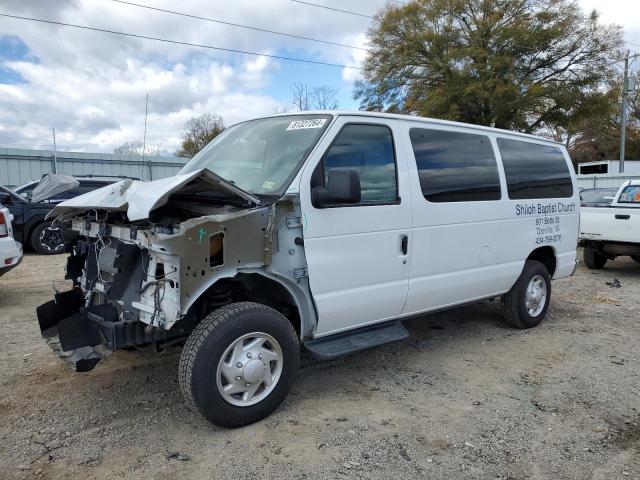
x=458, y=252
x=357, y=273
x=464, y=251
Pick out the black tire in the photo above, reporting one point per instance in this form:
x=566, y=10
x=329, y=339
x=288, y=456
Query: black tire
x=514, y=308
x=636, y=258
x=47, y=240
x=593, y=259
x=205, y=347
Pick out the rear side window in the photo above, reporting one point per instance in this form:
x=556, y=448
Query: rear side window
x=630, y=194
x=368, y=149
x=534, y=170
x=455, y=166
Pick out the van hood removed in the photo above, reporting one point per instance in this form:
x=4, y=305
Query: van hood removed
x=138, y=199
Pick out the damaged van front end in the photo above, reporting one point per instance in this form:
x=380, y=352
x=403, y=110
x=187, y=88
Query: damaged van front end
x=141, y=256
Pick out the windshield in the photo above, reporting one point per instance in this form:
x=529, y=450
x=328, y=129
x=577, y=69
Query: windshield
x=261, y=156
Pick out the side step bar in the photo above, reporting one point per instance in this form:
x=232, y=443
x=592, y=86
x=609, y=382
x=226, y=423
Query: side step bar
x=340, y=344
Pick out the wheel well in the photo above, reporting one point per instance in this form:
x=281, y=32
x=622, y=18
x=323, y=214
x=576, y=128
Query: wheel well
x=546, y=256
x=254, y=288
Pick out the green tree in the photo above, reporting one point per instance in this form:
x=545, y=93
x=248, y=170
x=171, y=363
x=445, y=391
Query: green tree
x=517, y=64
x=597, y=135
x=198, y=132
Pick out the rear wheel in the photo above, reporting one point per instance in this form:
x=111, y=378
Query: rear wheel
x=239, y=364
x=594, y=259
x=526, y=304
x=47, y=239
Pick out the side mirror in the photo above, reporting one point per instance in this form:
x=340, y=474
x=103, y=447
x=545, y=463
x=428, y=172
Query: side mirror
x=343, y=188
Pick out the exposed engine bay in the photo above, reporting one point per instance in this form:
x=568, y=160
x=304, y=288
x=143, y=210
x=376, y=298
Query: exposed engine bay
x=141, y=281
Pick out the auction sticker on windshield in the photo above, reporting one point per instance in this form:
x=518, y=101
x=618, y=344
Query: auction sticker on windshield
x=302, y=124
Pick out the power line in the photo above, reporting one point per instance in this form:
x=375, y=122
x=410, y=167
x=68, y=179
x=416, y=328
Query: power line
x=177, y=42
x=332, y=8
x=622, y=60
x=238, y=25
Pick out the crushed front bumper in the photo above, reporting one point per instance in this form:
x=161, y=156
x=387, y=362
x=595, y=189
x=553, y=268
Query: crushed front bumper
x=84, y=335
x=68, y=331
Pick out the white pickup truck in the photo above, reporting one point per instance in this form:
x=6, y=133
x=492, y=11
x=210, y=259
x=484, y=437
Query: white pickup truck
x=608, y=232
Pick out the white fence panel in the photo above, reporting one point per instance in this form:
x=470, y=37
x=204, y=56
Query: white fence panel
x=604, y=180
x=19, y=166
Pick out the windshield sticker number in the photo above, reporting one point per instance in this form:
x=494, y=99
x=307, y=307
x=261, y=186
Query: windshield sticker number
x=303, y=124
x=268, y=185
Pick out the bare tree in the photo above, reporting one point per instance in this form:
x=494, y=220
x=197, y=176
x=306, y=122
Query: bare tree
x=316, y=98
x=301, y=95
x=324, y=98
x=134, y=148
x=198, y=132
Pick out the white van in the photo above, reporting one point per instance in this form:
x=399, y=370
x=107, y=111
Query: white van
x=320, y=230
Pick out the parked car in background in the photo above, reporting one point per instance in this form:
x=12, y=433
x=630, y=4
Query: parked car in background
x=10, y=250
x=597, y=197
x=30, y=204
x=610, y=231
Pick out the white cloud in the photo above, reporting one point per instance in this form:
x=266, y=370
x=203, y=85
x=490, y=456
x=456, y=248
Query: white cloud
x=91, y=86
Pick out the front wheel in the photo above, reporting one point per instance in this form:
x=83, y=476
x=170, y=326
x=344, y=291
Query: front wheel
x=526, y=304
x=239, y=364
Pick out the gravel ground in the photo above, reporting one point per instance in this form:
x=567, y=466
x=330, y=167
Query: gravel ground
x=464, y=397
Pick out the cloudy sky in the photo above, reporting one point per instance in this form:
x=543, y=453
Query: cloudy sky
x=91, y=86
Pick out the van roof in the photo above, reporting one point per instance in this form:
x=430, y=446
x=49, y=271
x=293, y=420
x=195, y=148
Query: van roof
x=415, y=118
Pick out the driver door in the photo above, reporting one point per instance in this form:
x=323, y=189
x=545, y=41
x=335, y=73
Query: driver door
x=358, y=254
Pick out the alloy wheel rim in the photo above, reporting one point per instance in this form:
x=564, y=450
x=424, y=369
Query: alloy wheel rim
x=536, y=295
x=52, y=239
x=249, y=369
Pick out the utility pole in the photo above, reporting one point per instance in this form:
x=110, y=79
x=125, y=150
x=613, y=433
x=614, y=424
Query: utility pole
x=55, y=152
x=144, y=139
x=623, y=113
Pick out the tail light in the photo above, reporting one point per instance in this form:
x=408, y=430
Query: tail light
x=4, y=228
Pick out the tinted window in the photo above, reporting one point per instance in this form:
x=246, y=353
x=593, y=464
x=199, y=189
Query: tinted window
x=454, y=166
x=368, y=149
x=534, y=171
x=630, y=194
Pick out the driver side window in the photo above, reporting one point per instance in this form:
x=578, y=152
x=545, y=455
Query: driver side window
x=369, y=151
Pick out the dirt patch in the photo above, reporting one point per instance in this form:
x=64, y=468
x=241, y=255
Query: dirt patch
x=463, y=397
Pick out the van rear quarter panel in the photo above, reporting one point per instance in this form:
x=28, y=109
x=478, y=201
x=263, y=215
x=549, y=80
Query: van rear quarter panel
x=535, y=223
x=464, y=251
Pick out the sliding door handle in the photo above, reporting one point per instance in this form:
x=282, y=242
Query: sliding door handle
x=404, y=244
x=623, y=217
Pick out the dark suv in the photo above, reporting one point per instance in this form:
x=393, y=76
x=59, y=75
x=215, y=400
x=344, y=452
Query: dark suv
x=30, y=204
